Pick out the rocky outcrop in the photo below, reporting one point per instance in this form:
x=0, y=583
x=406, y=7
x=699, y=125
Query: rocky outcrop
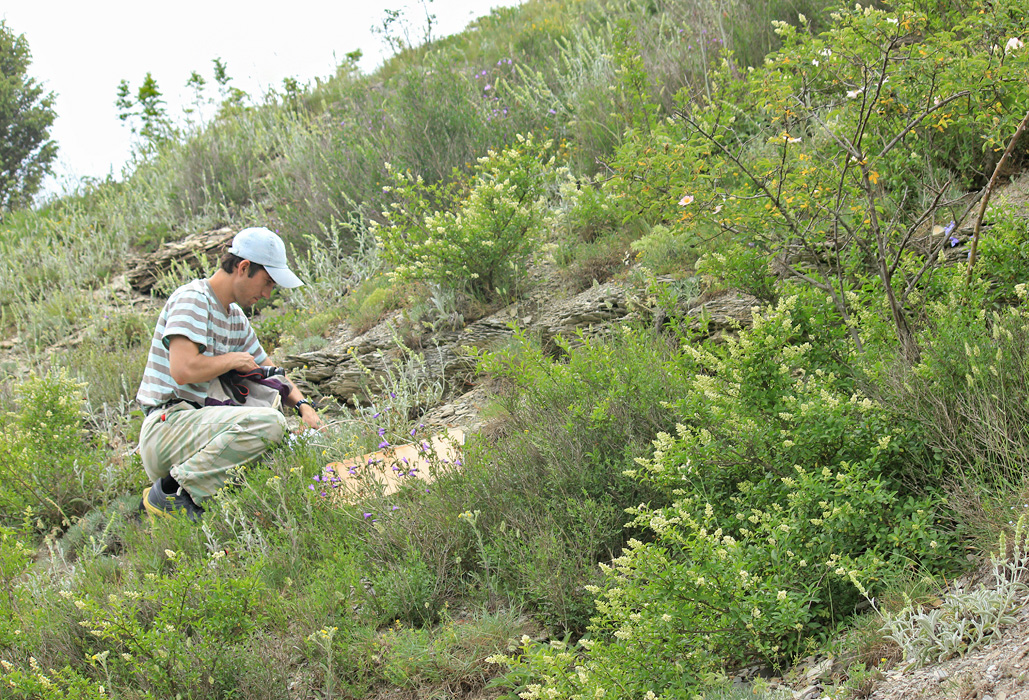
x=356, y=368
x=195, y=251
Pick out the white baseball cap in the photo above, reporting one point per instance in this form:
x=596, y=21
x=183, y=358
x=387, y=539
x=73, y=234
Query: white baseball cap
x=259, y=245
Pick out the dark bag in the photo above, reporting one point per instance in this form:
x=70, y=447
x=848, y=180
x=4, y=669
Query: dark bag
x=264, y=386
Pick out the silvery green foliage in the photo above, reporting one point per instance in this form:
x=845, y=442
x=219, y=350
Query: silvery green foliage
x=964, y=621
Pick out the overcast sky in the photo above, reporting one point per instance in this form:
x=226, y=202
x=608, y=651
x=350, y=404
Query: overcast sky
x=82, y=50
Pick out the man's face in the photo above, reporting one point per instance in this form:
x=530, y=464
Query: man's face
x=249, y=290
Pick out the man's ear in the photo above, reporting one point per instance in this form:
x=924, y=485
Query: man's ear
x=243, y=267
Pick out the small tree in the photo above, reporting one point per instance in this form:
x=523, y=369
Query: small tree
x=148, y=106
x=850, y=160
x=26, y=114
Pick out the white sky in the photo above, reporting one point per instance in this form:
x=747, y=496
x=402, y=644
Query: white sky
x=82, y=50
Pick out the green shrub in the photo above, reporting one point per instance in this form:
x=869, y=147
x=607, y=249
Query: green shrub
x=834, y=156
x=789, y=505
x=176, y=631
x=484, y=242
x=664, y=252
x=49, y=470
x=449, y=655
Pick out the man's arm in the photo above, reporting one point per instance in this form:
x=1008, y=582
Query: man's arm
x=307, y=413
x=188, y=365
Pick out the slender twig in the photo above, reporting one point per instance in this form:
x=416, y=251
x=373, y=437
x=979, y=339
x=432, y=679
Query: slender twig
x=986, y=197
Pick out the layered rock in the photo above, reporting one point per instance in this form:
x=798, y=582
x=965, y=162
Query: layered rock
x=355, y=368
x=196, y=251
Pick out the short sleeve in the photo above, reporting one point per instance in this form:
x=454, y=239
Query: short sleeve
x=188, y=316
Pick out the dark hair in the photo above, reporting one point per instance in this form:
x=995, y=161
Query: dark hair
x=230, y=262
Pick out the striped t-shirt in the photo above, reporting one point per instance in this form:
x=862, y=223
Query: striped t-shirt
x=193, y=311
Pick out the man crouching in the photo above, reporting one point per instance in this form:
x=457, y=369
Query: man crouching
x=189, y=447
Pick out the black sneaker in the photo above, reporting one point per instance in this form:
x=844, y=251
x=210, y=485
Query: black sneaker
x=158, y=503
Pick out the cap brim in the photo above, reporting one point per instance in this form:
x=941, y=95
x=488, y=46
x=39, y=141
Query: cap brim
x=284, y=277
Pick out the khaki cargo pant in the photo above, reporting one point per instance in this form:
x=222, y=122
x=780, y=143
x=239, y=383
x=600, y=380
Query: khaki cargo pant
x=200, y=448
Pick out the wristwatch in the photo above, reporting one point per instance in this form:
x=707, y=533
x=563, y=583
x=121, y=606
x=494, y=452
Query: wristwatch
x=300, y=403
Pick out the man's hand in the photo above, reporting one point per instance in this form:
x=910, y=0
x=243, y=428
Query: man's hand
x=310, y=417
x=241, y=361
x=187, y=365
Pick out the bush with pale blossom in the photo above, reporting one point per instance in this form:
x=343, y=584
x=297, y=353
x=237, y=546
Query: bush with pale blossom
x=477, y=234
x=792, y=502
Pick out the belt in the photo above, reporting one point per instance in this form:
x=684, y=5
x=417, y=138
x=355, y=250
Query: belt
x=160, y=407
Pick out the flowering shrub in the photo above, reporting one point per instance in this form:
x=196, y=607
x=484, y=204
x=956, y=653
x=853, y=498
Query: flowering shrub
x=175, y=633
x=832, y=162
x=38, y=683
x=48, y=467
x=477, y=235
x=788, y=508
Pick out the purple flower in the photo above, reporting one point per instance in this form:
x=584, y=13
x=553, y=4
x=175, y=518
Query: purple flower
x=376, y=415
x=383, y=445
x=413, y=431
x=315, y=478
x=324, y=494
x=950, y=228
x=552, y=111
x=404, y=460
x=367, y=515
x=382, y=431
x=311, y=486
x=488, y=87
x=392, y=395
x=954, y=241
x=395, y=508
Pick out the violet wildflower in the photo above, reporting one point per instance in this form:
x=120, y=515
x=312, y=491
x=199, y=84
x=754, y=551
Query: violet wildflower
x=311, y=486
x=367, y=515
x=383, y=445
x=395, y=508
x=950, y=228
x=382, y=431
x=324, y=494
x=954, y=241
